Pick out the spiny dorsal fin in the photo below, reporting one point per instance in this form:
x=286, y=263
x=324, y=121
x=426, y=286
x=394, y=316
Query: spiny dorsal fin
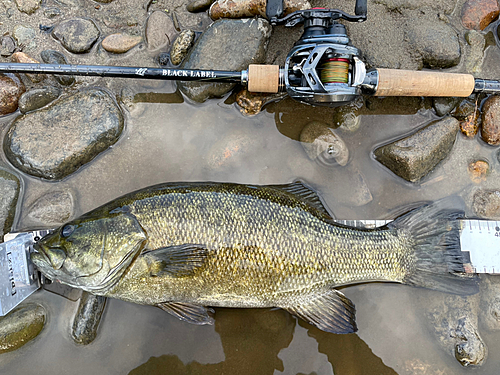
x=188, y=312
x=179, y=261
x=305, y=194
x=330, y=311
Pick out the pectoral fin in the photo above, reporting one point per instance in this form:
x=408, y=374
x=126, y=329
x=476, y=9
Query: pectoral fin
x=187, y=312
x=330, y=311
x=178, y=261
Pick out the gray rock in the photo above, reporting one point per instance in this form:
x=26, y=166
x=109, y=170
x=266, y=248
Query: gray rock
x=87, y=318
x=474, y=57
x=9, y=194
x=77, y=35
x=38, y=98
x=52, y=209
x=246, y=40
x=436, y=42
x=7, y=46
x=489, y=314
x=25, y=37
x=28, y=6
x=50, y=56
x=199, y=5
x=160, y=31
x=354, y=190
x=20, y=326
x=322, y=144
x=54, y=142
x=11, y=89
x=486, y=203
x=454, y=322
x=22, y=57
x=444, y=105
x=69, y=3
x=415, y=156
x=181, y=46
x=51, y=12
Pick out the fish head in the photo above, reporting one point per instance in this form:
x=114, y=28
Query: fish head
x=92, y=252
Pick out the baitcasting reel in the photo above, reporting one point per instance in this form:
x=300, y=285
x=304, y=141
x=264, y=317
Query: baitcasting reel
x=322, y=68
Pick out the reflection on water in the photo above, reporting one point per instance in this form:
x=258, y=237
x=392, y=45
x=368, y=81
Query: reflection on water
x=169, y=139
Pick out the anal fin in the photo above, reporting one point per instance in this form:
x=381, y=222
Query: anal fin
x=188, y=312
x=330, y=311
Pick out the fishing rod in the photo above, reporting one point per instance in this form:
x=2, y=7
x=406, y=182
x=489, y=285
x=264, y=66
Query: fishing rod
x=322, y=68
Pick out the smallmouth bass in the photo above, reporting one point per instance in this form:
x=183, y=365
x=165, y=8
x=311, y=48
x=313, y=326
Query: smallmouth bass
x=187, y=246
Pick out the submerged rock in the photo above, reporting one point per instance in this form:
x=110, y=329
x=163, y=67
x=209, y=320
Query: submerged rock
x=478, y=171
x=9, y=194
x=490, y=127
x=77, y=35
x=38, y=98
x=251, y=103
x=120, y=42
x=455, y=325
x=11, y=89
x=322, y=144
x=486, y=203
x=415, y=156
x=87, y=318
x=52, y=209
x=181, y=46
x=54, y=142
x=490, y=302
x=20, y=326
x=21, y=57
x=477, y=14
x=229, y=151
x=54, y=57
x=346, y=117
x=245, y=39
x=160, y=30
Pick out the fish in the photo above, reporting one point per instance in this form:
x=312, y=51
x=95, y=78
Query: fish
x=187, y=247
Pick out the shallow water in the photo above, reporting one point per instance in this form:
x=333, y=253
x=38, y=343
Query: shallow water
x=168, y=139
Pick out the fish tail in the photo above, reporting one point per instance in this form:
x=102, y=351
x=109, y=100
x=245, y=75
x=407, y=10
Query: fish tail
x=435, y=233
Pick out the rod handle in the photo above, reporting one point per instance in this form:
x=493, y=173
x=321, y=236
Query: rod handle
x=263, y=78
x=396, y=82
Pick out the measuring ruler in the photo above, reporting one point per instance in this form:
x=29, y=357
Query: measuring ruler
x=479, y=242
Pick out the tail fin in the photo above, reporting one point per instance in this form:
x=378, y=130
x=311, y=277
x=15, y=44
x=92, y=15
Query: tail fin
x=436, y=236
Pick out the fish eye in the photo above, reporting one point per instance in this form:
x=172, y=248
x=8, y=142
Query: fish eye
x=67, y=230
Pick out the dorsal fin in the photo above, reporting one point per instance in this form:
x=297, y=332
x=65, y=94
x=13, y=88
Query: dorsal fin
x=307, y=195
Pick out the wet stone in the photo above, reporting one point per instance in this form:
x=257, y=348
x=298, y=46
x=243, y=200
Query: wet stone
x=20, y=326
x=54, y=142
x=490, y=127
x=38, y=98
x=413, y=157
x=25, y=37
x=477, y=14
x=347, y=116
x=11, y=89
x=87, y=318
x=9, y=194
x=229, y=151
x=52, y=209
x=247, y=40
x=7, y=46
x=478, y=171
x=444, y=105
x=55, y=57
x=160, y=31
x=28, y=6
x=354, y=191
x=77, y=35
x=22, y=57
x=486, y=203
x=474, y=58
x=120, y=43
x=181, y=46
x=322, y=144
x=251, y=103
x=199, y=5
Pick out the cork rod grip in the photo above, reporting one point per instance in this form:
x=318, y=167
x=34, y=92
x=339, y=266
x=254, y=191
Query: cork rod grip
x=263, y=78
x=395, y=82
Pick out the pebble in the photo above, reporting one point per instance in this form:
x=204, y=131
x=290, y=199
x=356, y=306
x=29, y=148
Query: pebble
x=77, y=35
x=120, y=43
x=51, y=12
x=444, y=105
x=474, y=58
x=251, y=8
x=52, y=209
x=413, y=157
x=87, y=318
x=486, y=203
x=28, y=6
x=22, y=57
x=21, y=325
x=478, y=171
x=477, y=14
x=246, y=39
x=199, y=5
x=322, y=144
x=7, y=46
x=55, y=57
x=490, y=127
x=467, y=112
x=38, y=98
x=25, y=37
x=160, y=30
x=11, y=89
x=251, y=103
x=181, y=46
x=54, y=142
x=9, y=194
